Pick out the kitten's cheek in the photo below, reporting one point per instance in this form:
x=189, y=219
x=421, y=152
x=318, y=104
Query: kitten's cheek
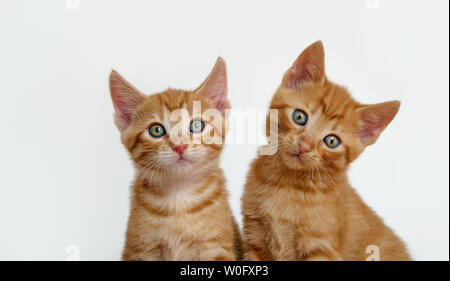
x=199, y=157
x=188, y=156
x=169, y=158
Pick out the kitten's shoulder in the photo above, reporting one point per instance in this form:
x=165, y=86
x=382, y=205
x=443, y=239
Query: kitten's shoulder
x=255, y=182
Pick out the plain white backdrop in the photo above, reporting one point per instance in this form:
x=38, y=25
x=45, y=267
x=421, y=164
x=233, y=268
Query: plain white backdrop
x=64, y=175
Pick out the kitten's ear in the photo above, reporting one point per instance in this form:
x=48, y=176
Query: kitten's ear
x=374, y=119
x=125, y=99
x=309, y=66
x=215, y=88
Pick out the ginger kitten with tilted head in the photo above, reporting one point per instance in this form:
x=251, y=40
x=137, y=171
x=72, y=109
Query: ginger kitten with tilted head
x=298, y=203
x=179, y=207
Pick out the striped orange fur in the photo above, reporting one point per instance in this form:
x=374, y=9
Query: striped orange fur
x=179, y=207
x=298, y=203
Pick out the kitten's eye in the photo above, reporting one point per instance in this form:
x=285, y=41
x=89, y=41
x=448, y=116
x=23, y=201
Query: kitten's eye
x=196, y=126
x=299, y=117
x=157, y=130
x=332, y=141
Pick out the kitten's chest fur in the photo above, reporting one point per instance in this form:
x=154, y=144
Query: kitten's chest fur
x=192, y=222
x=300, y=217
x=300, y=207
x=175, y=236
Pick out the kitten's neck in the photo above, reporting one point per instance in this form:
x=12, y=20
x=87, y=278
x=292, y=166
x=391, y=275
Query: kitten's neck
x=278, y=174
x=164, y=181
x=176, y=194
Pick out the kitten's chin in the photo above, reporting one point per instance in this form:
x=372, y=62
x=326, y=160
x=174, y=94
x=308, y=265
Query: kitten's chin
x=181, y=165
x=295, y=162
x=185, y=167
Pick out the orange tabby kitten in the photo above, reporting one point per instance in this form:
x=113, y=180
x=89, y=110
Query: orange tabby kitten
x=179, y=207
x=298, y=203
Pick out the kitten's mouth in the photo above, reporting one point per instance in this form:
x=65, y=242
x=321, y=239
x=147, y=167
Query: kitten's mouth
x=182, y=160
x=298, y=156
x=295, y=161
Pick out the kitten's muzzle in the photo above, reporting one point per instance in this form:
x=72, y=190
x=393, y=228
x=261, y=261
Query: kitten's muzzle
x=303, y=147
x=180, y=149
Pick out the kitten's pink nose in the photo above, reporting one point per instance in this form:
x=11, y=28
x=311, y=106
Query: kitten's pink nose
x=304, y=148
x=180, y=148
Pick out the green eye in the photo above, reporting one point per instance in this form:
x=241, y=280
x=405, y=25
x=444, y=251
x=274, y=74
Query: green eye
x=332, y=141
x=157, y=130
x=299, y=117
x=196, y=126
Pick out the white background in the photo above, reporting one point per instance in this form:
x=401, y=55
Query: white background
x=65, y=175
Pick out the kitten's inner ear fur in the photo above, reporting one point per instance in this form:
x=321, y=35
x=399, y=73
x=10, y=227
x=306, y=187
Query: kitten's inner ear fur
x=125, y=99
x=374, y=119
x=214, y=88
x=309, y=66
